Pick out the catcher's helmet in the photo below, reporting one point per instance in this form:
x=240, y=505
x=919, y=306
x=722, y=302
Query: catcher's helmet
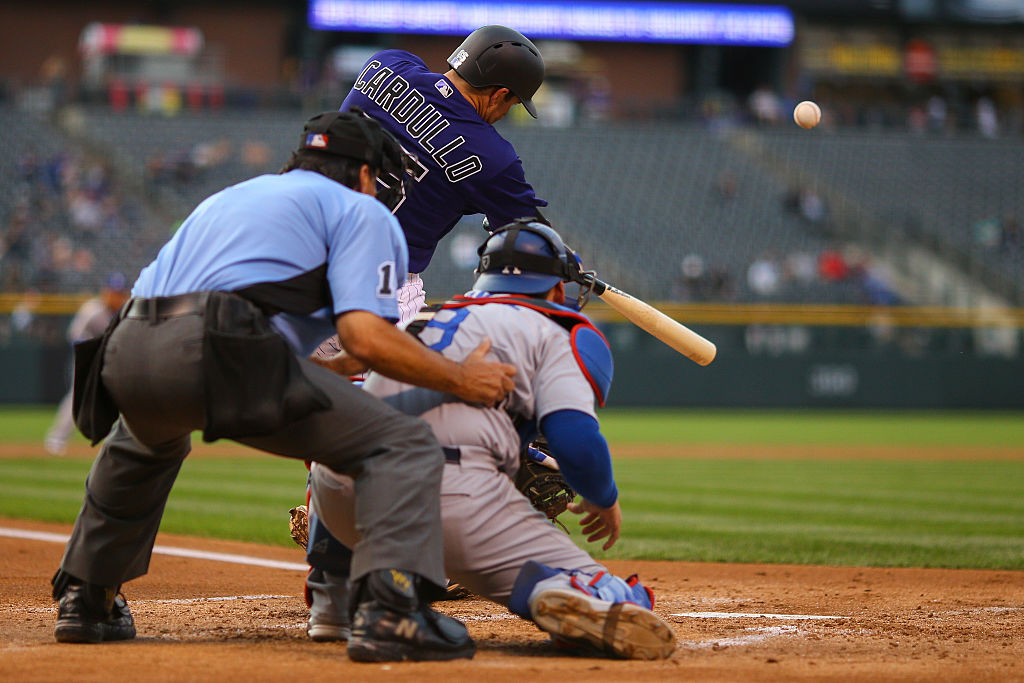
x=524, y=257
x=355, y=135
x=497, y=55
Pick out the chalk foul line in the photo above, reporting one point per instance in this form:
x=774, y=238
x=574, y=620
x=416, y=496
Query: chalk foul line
x=175, y=601
x=754, y=615
x=219, y=598
x=167, y=550
x=296, y=566
x=758, y=635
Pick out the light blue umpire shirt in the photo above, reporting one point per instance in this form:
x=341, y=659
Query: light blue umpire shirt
x=300, y=245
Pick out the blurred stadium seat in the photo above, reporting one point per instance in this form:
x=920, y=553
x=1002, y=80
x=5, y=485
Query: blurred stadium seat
x=67, y=220
x=751, y=213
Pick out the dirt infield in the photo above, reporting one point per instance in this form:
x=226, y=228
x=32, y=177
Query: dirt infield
x=212, y=620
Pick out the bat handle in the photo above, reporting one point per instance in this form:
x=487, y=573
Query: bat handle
x=589, y=279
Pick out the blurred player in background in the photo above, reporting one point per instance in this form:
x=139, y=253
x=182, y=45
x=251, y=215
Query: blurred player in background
x=445, y=122
x=90, y=321
x=495, y=542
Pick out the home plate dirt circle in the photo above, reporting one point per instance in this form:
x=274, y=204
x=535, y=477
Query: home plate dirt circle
x=202, y=615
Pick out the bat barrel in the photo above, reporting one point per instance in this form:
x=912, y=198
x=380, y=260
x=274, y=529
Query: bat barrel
x=657, y=324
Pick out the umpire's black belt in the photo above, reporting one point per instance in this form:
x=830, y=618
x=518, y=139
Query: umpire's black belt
x=163, y=307
x=452, y=455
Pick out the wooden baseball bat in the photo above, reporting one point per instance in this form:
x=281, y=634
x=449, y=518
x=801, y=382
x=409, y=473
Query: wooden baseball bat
x=657, y=324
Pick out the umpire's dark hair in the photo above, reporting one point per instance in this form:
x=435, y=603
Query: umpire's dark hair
x=344, y=170
x=337, y=144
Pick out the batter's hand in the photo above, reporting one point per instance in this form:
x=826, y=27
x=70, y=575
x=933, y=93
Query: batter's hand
x=484, y=381
x=599, y=522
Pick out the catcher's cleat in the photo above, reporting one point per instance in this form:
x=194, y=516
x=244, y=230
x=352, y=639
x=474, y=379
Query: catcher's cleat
x=621, y=629
x=392, y=623
x=327, y=633
x=88, y=613
x=328, y=597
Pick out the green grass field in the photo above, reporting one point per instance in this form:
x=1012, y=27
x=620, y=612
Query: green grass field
x=871, y=512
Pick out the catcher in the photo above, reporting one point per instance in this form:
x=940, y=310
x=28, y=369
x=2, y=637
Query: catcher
x=495, y=542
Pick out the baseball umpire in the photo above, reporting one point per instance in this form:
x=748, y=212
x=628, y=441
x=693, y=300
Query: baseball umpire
x=463, y=166
x=495, y=542
x=215, y=338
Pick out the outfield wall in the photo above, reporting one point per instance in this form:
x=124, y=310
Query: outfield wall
x=762, y=373
x=770, y=363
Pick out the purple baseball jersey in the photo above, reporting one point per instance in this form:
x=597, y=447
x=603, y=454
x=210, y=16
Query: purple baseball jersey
x=465, y=166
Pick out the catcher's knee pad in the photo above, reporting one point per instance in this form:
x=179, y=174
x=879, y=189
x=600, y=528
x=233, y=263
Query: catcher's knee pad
x=602, y=585
x=324, y=551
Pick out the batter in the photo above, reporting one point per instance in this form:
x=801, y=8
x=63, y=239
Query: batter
x=462, y=165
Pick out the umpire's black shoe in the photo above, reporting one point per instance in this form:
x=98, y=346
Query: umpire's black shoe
x=393, y=624
x=88, y=613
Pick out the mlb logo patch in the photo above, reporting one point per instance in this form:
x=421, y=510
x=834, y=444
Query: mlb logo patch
x=443, y=88
x=316, y=141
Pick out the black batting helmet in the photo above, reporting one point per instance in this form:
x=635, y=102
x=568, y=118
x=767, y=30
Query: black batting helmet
x=500, y=56
x=355, y=135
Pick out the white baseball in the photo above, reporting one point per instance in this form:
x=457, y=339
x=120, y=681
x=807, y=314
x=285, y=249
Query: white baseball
x=807, y=114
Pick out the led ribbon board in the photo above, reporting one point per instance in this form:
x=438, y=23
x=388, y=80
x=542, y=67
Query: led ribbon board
x=635, y=22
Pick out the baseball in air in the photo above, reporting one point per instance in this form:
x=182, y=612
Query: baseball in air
x=807, y=114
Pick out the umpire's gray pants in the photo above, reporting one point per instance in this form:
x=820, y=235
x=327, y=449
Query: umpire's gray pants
x=154, y=374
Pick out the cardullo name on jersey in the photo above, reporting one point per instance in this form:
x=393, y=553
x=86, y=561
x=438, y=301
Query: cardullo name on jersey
x=422, y=120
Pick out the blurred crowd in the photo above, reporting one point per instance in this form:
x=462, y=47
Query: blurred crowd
x=1000, y=234
x=182, y=168
x=928, y=112
x=67, y=209
x=845, y=274
x=64, y=208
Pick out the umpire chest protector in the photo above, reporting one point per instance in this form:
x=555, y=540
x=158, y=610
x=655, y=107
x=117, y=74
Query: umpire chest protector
x=589, y=346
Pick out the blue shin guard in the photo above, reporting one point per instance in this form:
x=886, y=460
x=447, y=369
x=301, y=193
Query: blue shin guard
x=530, y=575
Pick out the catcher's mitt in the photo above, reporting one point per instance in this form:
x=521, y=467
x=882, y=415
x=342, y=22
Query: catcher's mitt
x=298, y=525
x=540, y=481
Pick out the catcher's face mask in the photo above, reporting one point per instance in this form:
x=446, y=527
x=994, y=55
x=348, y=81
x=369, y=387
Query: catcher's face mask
x=577, y=290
